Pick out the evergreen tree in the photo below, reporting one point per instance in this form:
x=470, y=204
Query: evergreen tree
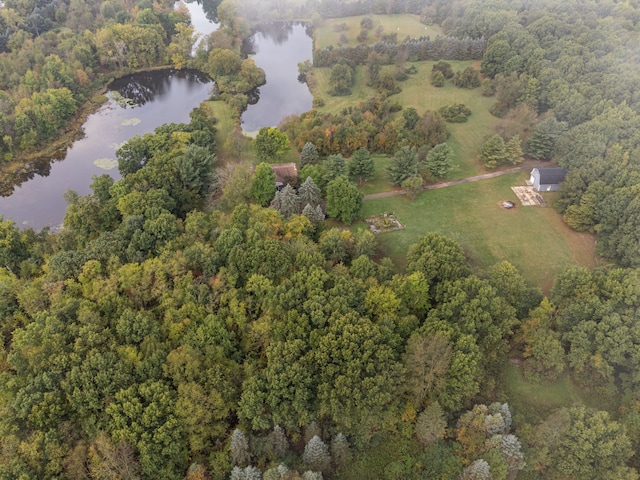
x=314, y=214
x=493, y=151
x=478, y=470
x=541, y=143
x=309, y=155
x=289, y=201
x=311, y=430
x=361, y=167
x=277, y=444
x=439, y=160
x=309, y=475
x=403, y=165
x=263, y=187
x=513, y=150
x=340, y=450
x=239, y=448
x=309, y=193
x=334, y=166
x=316, y=455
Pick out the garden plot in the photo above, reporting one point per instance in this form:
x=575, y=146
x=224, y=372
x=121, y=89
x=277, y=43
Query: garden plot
x=528, y=196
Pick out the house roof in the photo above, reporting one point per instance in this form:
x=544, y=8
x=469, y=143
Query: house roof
x=550, y=176
x=284, y=171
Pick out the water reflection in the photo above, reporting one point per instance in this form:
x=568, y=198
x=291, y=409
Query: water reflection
x=34, y=197
x=144, y=87
x=209, y=7
x=277, y=48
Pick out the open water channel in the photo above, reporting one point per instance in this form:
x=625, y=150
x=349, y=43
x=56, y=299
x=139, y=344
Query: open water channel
x=36, y=199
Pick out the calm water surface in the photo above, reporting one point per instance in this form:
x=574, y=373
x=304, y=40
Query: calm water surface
x=161, y=97
x=278, y=48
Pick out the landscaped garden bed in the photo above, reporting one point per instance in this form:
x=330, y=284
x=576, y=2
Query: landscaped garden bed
x=387, y=222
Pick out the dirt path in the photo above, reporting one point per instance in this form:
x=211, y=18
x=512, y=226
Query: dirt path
x=393, y=193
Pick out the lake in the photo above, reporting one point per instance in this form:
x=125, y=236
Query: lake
x=160, y=97
x=35, y=198
x=277, y=48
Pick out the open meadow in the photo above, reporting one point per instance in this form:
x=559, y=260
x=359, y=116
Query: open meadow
x=466, y=138
x=535, y=240
x=330, y=30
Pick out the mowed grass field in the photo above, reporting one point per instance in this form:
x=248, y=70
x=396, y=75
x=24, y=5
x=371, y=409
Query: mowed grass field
x=326, y=34
x=534, y=239
x=466, y=138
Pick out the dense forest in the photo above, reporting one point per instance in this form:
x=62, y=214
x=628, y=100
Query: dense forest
x=179, y=327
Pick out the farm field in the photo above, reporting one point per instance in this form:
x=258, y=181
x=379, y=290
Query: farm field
x=535, y=240
x=326, y=34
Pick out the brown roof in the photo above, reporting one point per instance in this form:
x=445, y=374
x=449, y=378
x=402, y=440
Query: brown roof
x=284, y=170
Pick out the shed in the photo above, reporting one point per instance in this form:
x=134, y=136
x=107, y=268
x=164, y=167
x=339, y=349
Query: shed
x=547, y=179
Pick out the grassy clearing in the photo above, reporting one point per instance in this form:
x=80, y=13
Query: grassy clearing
x=466, y=138
x=327, y=34
x=417, y=91
x=533, y=402
x=535, y=240
x=380, y=181
x=359, y=93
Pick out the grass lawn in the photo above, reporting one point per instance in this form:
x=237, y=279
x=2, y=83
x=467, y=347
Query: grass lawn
x=533, y=402
x=403, y=25
x=380, y=181
x=534, y=239
x=359, y=93
x=466, y=138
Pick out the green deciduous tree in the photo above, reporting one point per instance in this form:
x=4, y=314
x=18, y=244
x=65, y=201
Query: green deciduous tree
x=271, y=144
x=340, y=80
x=344, y=201
x=263, y=187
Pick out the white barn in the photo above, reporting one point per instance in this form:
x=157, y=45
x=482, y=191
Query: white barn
x=547, y=179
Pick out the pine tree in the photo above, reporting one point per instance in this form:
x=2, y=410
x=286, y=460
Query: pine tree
x=309, y=193
x=513, y=150
x=493, y=151
x=309, y=475
x=311, y=431
x=309, y=155
x=334, y=167
x=512, y=453
x=439, y=160
x=289, y=201
x=403, y=164
x=340, y=450
x=277, y=443
x=361, y=167
x=478, y=470
x=314, y=214
x=239, y=448
x=316, y=455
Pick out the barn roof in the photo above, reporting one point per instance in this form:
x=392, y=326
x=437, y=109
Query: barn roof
x=551, y=176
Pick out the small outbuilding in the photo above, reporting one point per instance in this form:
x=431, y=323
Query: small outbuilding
x=547, y=179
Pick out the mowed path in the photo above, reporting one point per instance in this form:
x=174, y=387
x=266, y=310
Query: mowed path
x=484, y=176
